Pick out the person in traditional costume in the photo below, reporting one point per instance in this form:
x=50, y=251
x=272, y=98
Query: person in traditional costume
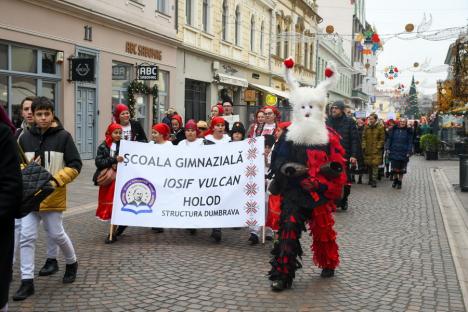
x=309, y=175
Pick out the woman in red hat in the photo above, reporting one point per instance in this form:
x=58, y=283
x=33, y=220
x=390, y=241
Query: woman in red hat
x=178, y=132
x=217, y=129
x=107, y=156
x=131, y=129
x=160, y=134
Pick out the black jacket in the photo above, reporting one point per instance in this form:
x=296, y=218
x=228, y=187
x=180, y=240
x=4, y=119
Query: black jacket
x=347, y=129
x=104, y=159
x=138, y=134
x=59, y=156
x=10, y=200
x=179, y=136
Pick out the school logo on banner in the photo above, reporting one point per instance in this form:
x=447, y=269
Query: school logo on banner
x=138, y=196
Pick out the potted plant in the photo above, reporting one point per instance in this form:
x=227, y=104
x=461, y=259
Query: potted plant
x=430, y=144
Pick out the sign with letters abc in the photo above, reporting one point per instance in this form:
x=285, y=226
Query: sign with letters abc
x=82, y=69
x=147, y=72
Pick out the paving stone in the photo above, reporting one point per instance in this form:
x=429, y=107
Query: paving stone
x=394, y=257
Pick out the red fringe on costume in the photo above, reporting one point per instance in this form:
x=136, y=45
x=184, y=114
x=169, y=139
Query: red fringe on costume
x=105, y=201
x=324, y=247
x=274, y=212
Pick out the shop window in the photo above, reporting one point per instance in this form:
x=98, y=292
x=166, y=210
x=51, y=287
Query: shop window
x=21, y=88
x=4, y=92
x=162, y=102
x=3, y=57
x=49, y=90
x=23, y=59
x=48, y=63
x=121, y=77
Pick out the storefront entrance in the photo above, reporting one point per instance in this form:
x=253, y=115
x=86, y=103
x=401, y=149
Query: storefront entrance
x=85, y=121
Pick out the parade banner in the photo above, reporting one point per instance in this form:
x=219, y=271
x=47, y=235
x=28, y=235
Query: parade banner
x=209, y=186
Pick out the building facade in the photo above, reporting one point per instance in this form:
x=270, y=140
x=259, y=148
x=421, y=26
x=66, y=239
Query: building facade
x=225, y=47
x=37, y=47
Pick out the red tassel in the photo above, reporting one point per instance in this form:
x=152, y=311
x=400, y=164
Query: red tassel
x=289, y=63
x=328, y=72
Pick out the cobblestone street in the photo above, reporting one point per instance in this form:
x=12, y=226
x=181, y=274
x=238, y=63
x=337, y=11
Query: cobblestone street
x=395, y=256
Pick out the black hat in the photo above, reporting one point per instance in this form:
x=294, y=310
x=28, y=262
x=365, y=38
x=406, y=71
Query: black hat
x=339, y=104
x=238, y=127
x=269, y=140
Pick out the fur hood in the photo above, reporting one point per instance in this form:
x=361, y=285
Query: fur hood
x=309, y=104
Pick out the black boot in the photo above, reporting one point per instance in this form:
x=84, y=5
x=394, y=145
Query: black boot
x=70, y=273
x=120, y=230
x=395, y=183
x=49, y=268
x=398, y=185
x=253, y=239
x=216, y=235
x=326, y=273
x=280, y=285
x=344, y=205
x=26, y=289
x=359, y=180
x=374, y=183
x=158, y=230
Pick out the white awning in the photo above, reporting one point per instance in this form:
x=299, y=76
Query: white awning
x=232, y=80
x=282, y=94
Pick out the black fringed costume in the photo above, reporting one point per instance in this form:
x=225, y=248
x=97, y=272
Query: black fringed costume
x=307, y=198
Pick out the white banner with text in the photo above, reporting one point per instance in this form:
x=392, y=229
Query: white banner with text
x=210, y=186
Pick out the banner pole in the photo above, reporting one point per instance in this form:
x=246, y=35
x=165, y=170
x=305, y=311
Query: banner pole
x=263, y=234
x=111, y=231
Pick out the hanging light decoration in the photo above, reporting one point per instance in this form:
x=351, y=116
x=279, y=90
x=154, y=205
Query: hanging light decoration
x=330, y=29
x=391, y=72
x=409, y=27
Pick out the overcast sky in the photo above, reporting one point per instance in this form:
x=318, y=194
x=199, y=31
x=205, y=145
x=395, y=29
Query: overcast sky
x=391, y=17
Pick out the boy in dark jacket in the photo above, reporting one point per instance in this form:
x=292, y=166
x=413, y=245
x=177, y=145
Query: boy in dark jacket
x=52, y=147
x=399, y=147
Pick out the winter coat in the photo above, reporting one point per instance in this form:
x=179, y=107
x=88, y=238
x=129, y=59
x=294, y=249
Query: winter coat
x=373, y=140
x=179, y=136
x=347, y=129
x=10, y=200
x=138, y=134
x=400, y=143
x=59, y=156
x=104, y=159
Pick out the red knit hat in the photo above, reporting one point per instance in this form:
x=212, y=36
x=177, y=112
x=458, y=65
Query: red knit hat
x=215, y=121
x=163, y=129
x=113, y=126
x=119, y=108
x=220, y=109
x=192, y=125
x=178, y=118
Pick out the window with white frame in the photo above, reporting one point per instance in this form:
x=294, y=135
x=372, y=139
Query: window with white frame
x=286, y=43
x=225, y=21
x=161, y=6
x=252, y=33
x=188, y=12
x=205, y=15
x=311, y=63
x=278, y=40
x=238, y=26
x=306, y=54
x=262, y=29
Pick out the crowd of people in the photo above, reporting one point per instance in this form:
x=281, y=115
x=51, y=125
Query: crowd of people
x=370, y=147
